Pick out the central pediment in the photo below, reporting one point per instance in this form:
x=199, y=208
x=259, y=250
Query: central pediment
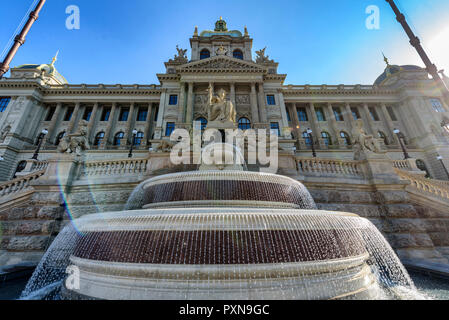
x=221, y=64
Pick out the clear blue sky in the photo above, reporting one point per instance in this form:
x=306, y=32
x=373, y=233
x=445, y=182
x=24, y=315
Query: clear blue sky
x=315, y=42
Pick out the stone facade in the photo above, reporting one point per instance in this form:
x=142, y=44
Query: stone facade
x=38, y=194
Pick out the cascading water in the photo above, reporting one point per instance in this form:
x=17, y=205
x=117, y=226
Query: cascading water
x=222, y=235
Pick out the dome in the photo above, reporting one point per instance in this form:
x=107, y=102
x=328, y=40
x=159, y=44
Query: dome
x=393, y=69
x=49, y=69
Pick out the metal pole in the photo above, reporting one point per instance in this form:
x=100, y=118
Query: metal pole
x=415, y=42
x=20, y=39
x=130, y=155
x=404, y=149
x=41, y=139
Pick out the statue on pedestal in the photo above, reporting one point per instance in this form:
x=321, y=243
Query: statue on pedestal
x=77, y=142
x=364, y=143
x=219, y=108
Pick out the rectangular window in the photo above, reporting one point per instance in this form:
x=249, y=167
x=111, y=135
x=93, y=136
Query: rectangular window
x=105, y=114
x=173, y=100
x=337, y=113
x=124, y=113
x=142, y=115
x=271, y=100
x=87, y=114
x=169, y=129
x=68, y=114
x=437, y=105
x=320, y=114
x=355, y=113
x=288, y=117
x=275, y=127
x=156, y=114
x=302, y=115
x=4, y=101
x=50, y=114
x=392, y=114
x=373, y=113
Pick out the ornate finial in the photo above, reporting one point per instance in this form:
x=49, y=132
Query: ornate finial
x=221, y=18
x=195, y=33
x=221, y=26
x=246, y=31
x=386, y=60
x=55, y=58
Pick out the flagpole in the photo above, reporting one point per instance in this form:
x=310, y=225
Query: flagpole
x=416, y=43
x=20, y=39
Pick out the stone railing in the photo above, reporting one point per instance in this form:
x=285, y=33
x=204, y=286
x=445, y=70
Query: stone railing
x=329, y=167
x=39, y=165
x=114, y=167
x=402, y=164
x=434, y=187
x=19, y=184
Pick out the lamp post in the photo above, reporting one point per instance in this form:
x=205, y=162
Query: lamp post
x=40, y=140
x=309, y=132
x=404, y=149
x=130, y=155
x=440, y=158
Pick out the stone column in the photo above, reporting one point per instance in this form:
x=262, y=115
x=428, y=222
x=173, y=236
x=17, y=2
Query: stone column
x=160, y=117
x=189, y=115
x=232, y=93
x=295, y=120
x=283, y=113
x=74, y=118
x=368, y=119
x=109, y=128
x=181, y=102
x=262, y=104
x=348, y=116
x=253, y=100
x=389, y=122
x=92, y=121
x=148, y=124
x=54, y=122
x=333, y=123
x=314, y=123
x=130, y=123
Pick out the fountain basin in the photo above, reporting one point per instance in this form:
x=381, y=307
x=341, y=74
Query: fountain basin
x=218, y=253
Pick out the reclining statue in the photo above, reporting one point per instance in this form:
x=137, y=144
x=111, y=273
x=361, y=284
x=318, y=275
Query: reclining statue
x=77, y=142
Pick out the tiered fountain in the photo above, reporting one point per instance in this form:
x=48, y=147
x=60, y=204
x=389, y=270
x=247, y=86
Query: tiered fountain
x=221, y=234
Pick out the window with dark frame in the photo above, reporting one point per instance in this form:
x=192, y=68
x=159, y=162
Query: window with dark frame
x=437, y=105
x=169, y=129
x=105, y=114
x=373, y=114
x=338, y=115
x=124, y=114
x=142, y=115
x=302, y=115
x=87, y=114
x=118, y=138
x=271, y=100
x=355, y=113
x=4, y=101
x=391, y=113
x=50, y=114
x=173, y=101
x=275, y=126
x=238, y=54
x=68, y=114
x=320, y=114
x=244, y=124
x=204, y=54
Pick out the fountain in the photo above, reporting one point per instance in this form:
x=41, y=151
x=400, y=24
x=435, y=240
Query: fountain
x=221, y=234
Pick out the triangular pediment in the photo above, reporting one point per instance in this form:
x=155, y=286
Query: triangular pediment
x=221, y=64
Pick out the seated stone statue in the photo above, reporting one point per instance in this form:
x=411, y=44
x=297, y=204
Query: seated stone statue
x=364, y=142
x=77, y=142
x=220, y=109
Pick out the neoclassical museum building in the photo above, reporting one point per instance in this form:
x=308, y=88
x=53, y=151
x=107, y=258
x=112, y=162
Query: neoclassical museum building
x=404, y=189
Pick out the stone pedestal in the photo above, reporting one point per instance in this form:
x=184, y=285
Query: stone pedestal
x=62, y=170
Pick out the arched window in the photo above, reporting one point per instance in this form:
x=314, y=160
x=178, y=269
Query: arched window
x=139, y=138
x=307, y=138
x=117, y=138
x=238, y=54
x=327, y=138
x=59, y=138
x=244, y=124
x=204, y=54
x=203, y=123
x=346, y=138
x=383, y=136
x=98, y=138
